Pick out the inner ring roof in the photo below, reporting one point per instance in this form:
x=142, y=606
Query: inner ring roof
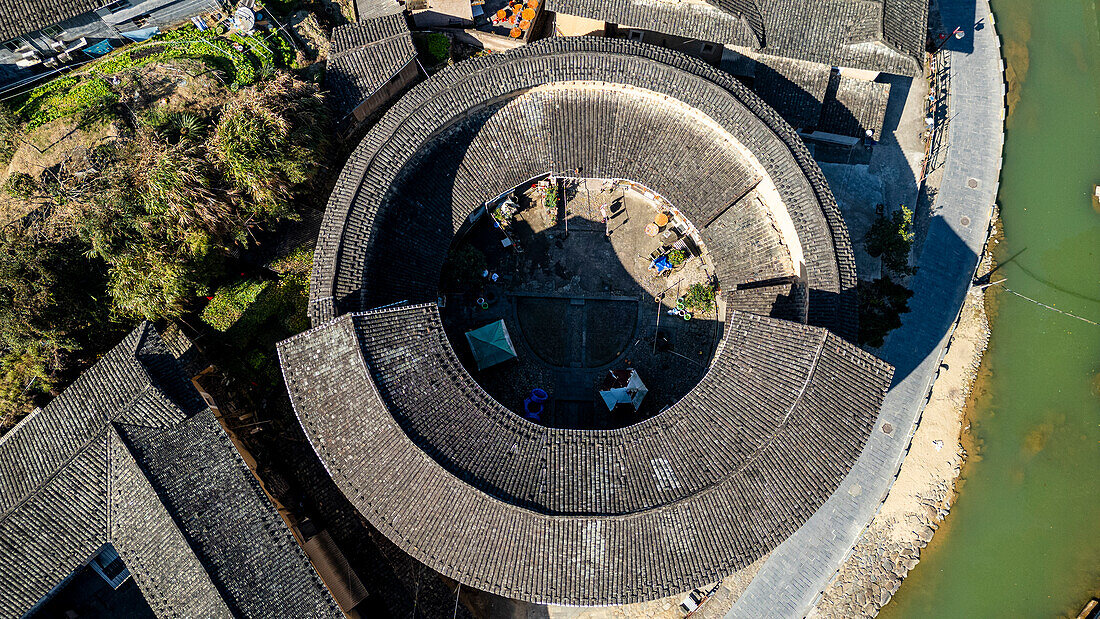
x=488, y=124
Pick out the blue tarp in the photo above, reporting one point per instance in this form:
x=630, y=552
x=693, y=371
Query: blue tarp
x=661, y=264
x=103, y=47
x=141, y=35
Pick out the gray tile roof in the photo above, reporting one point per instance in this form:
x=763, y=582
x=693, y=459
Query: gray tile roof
x=572, y=516
x=129, y=454
x=879, y=35
x=854, y=106
x=22, y=16
x=486, y=125
x=795, y=88
x=812, y=97
x=364, y=57
x=368, y=9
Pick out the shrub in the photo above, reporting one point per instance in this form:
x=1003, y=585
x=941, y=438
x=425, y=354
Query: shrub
x=677, y=257
x=435, y=47
x=268, y=140
x=699, y=298
x=150, y=285
x=297, y=262
x=21, y=185
x=230, y=302
x=24, y=375
x=463, y=268
x=82, y=98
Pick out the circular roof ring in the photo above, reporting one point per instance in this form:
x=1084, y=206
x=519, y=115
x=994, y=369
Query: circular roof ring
x=568, y=516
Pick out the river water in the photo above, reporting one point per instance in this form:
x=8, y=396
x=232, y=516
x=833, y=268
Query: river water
x=1023, y=539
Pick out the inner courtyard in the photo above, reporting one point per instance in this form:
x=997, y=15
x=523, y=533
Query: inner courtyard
x=592, y=278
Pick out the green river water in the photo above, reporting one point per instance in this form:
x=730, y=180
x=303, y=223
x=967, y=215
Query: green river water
x=1023, y=539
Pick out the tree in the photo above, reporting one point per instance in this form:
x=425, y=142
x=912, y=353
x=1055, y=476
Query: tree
x=51, y=308
x=892, y=239
x=881, y=303
x=463, y=268
x=699, y=298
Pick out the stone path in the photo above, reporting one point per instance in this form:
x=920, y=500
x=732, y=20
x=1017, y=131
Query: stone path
x=800, y=568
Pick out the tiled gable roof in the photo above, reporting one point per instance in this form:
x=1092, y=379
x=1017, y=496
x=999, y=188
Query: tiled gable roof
x=364, y=57
x=225, y=516
x=854, y=106
x=368, y=9
x=69, y=485
x=878, y=35
x=22, y=16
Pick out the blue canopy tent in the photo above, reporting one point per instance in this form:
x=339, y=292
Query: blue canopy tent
x=661, y=264
x=491, y=344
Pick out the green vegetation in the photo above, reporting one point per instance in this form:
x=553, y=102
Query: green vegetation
x=462, y=271
x=552, y=203
x=297, y=262
x=892, y=239
x=254, y=315
x=47, y=316
x=699, y=298
x=882, y=301
x=230, y=302
x=265, y=141
x=83, y=98
x=434, y=48
x=90, y=91
x=144, y=224
x=20, y=185
x=11, y=133
x=676, y=257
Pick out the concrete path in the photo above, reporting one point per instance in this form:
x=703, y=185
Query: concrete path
x=799, y=569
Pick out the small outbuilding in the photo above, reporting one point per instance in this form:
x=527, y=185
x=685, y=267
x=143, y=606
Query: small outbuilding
x=370, y=64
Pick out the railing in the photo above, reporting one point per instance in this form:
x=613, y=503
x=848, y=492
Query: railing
x=938, y=107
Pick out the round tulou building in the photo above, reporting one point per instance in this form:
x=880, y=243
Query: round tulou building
x=598, y=180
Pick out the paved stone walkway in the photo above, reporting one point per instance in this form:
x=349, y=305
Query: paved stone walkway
x=800, y=568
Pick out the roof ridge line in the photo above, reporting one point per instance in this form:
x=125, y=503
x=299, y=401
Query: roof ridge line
x=53, y=474
x=68, y=459
x=162, y=504
x=369, y=45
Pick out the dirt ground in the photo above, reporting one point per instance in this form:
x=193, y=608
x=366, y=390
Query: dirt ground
x=63, y=144
x=923, y=493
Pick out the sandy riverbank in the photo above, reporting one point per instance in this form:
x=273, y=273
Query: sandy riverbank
x=924, y=491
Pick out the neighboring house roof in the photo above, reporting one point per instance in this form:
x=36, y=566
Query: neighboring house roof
x=795, y=88
x=812, y=96
x=565, y=516
x=854, y=106
x=878, y=35
x=130, y=455
x=367, y=9
x=364, y=57
x=582, y=517
x=23, y=16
